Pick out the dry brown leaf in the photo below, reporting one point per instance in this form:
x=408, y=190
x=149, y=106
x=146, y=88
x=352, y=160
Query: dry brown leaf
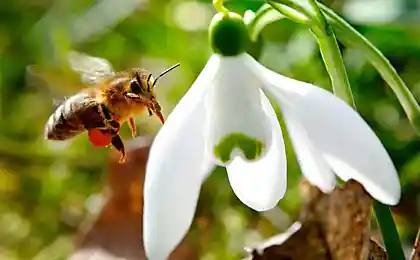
x=334, y=226
x=377, y=252
x=302, y=242
x=344, y=219
x=415, y=255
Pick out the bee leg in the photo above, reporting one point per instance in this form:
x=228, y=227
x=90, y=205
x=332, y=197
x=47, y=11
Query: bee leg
x=107, y=126
x=113, y=125
x=119, y=145
x=132, y=125
x=150, y=111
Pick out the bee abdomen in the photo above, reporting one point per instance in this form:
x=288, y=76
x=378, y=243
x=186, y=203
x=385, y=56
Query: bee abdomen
x=59, y=127
x=66, y=121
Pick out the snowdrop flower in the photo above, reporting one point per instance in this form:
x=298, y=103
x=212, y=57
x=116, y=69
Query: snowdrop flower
x=226, y=119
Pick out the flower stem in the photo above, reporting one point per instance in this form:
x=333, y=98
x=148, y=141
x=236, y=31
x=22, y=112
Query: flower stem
x=352, y=38
x=300, y=16
x=332, y=56
x=218, y=5
x=327, y=42
x=334, y=64
x=389, y=231
x=264, y=16
x=349, y=36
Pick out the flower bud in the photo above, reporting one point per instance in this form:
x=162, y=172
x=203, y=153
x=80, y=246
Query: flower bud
x=228, y=34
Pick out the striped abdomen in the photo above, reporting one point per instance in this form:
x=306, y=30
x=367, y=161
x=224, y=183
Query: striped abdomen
x=72, y=117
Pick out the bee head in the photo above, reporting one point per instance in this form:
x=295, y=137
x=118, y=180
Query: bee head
x=141, y=90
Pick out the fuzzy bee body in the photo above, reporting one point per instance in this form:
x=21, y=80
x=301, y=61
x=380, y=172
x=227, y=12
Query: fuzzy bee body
x=73, y=117
x=113, y=99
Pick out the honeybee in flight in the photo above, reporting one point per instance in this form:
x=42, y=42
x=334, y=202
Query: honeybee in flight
x=113, y=99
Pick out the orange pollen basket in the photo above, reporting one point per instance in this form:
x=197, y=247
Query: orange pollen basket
x=99, y=139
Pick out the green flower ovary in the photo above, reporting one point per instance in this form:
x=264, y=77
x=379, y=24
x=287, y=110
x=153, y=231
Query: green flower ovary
x=251, y=147
x=228, y=34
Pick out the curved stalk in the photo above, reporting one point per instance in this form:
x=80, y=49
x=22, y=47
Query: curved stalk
x=332, y=57
x=328, y=46
x=350, y=37
x=263, y=17
x=218, y=5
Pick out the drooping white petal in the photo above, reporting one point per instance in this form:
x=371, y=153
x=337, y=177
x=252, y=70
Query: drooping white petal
x=312, y=163
x=261, y=184
x=345, y=140
x=175, y=169
x=234, y=106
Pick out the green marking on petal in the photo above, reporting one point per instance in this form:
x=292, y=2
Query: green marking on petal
x=251, y=147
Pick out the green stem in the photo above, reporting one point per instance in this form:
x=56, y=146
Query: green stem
x=389, y=231
x=332, y=56
x=218, y=5
x=264, y=16
x=292, y=6
x=292, y=14
x=350, y=37
x=334, y=64
x=328, y=46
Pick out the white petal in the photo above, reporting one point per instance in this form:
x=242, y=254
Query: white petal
x=177, y=163
x=261, y=184
x=234, y=106
x=312, y=163
x=346, y=141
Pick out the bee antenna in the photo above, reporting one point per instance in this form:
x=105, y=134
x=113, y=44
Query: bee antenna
x=166, y=71
x=138, y=77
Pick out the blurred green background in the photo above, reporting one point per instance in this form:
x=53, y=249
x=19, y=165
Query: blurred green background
x=48, y=188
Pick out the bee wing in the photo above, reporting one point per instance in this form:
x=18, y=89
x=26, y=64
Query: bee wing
x=92, y=69
x=33, y=78
x=43, y=81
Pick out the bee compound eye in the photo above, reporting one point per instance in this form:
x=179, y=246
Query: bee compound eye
x=135, y=87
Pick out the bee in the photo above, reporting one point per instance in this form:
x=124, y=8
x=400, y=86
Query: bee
x=113, y=99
